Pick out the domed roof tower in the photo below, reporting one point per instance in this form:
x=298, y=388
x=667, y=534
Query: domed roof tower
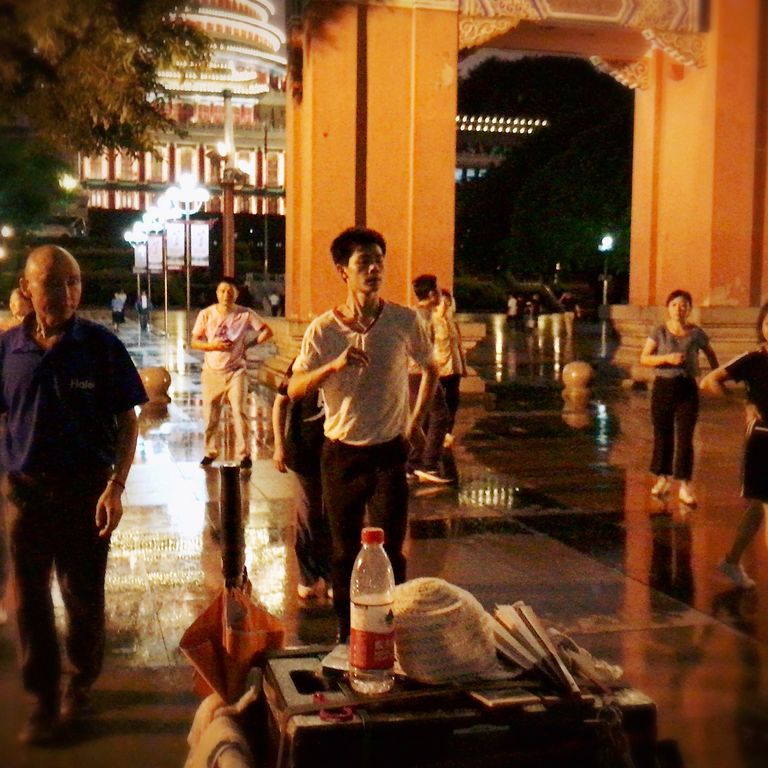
x=247, y=56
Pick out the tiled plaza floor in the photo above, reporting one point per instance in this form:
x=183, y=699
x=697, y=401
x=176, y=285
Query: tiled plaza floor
x=558, y=516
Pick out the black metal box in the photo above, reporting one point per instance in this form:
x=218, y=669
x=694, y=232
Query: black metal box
x=517, y=724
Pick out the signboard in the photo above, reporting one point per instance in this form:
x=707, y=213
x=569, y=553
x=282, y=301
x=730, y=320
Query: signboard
x=139, y=258
x=155, y=253
x=199, y=244
x=174, y=236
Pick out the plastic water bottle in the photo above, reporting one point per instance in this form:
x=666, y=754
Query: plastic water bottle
x=372, y=636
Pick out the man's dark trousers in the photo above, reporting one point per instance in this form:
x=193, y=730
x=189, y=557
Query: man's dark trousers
x=436, y=425
x=51, y=524
x=355, y=478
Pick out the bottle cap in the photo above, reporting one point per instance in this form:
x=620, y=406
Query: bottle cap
x=373, y=536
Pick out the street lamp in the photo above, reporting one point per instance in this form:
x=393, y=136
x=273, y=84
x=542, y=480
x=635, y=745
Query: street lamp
x=138, y=236
x=6, y=232
x=605, y=247
x=155, y=221
x=187, y=198
x=266, y=204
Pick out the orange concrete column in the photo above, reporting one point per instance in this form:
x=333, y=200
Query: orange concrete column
x=371, y=142
x=320, y=167
x=698, y=204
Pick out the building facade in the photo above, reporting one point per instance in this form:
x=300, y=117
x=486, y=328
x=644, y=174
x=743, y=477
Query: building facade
x=249, y=65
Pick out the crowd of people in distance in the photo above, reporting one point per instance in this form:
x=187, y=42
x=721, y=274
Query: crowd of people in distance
x=524, y=310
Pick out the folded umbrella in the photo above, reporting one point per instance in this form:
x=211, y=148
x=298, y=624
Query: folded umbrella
x=234, y=633
x=230, y=637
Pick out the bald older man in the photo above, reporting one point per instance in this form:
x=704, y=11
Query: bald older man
x=68, y=388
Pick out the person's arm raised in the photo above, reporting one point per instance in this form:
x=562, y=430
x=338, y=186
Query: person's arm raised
x=305, y=383
x=709, y=353
x=265, y=334
x=649, y=357
x=714, y=382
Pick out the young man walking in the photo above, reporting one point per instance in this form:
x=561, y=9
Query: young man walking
x=221, y=331
x=425, y=462
x=356, y=353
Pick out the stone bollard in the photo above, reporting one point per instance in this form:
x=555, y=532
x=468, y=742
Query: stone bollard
x=156, y=380
x=577, y=376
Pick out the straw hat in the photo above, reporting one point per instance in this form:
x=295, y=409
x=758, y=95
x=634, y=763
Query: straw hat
x=442, y=633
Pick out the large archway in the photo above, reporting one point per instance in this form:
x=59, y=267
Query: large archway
x=371, y=129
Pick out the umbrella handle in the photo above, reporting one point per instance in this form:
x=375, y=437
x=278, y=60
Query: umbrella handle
x=240, y=582
x=232, y=533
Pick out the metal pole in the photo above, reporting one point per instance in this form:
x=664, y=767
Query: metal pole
x=231, y=531
x=188, y=266
x=165, y=283
x=138, y=298
x=228, y=224
x=228, y=191
x=149, y=283
x=266, y=205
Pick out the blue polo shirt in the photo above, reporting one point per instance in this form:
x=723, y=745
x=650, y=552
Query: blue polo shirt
x=62, y=404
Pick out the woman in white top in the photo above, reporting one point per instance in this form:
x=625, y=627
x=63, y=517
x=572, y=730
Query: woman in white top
x=672, y=348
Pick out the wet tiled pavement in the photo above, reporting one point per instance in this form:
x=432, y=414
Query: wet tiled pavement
x=559, y=517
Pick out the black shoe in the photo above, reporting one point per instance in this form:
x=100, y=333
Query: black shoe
x=42, y=727
x=76, y=703
x=246, y=463
x=207, y=461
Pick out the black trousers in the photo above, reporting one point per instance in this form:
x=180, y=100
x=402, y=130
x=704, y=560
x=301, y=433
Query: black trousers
x=436, y=424
x=312, y=536
x=51, y=524
x=356, y=478
x=674, y=410
x=451, y=385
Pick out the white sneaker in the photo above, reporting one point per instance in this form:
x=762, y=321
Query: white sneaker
x=661, y=487
x=432, y=476
x=312, y=591
x=686, y=496
x=736, y=573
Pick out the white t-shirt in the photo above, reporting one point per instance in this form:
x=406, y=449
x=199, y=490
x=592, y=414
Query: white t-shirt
x=366, y=406
x=211, y=325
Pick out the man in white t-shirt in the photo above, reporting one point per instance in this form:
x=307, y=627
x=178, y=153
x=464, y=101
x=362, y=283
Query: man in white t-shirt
x=357, y=353
x=221, y=331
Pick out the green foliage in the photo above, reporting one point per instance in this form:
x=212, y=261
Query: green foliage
x=475, y=294
x=8, y=281
x=557, y=192
x=84, y=73
x=29, y=181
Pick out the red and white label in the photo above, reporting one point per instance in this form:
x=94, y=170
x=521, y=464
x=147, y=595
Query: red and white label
x=372, y=636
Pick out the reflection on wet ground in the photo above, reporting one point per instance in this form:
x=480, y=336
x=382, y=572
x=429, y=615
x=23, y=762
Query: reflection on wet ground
x=556, y=515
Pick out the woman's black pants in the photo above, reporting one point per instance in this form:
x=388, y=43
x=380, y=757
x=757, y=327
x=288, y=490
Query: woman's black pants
x=674, y=410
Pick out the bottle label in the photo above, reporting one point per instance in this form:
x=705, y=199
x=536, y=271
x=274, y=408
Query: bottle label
x=372, y=636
